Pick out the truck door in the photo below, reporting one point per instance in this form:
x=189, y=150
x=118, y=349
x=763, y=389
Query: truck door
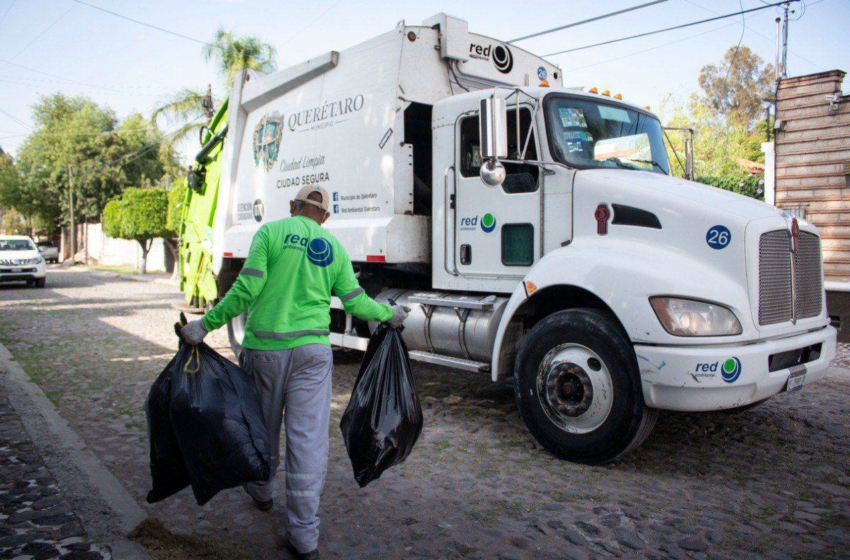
x=497, y=229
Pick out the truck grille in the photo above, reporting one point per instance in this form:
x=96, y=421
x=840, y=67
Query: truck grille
x=775, y=298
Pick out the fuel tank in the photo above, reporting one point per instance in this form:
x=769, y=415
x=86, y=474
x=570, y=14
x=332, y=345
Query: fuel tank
x=449, y=324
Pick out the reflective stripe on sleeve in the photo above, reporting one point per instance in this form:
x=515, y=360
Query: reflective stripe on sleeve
x=252, y=272
x=294, y=334
x=351, y=295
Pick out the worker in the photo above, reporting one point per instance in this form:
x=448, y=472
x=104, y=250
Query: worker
x=285, y=286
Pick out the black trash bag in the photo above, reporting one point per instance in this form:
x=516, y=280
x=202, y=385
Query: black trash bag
x=383, y=419
x=168, y=469
x=215, y=418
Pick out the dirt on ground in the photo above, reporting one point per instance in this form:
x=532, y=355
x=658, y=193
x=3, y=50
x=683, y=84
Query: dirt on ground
x=772, y=482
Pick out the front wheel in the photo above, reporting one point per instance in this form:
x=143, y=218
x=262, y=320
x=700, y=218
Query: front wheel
x=579, y=389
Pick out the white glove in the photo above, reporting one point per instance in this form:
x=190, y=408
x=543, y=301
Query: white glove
x=400, y=313
x=194, y=332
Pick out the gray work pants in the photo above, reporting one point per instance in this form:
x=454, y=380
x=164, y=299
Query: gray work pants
x=298, y=381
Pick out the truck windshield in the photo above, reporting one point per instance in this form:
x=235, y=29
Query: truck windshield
x=585, y=133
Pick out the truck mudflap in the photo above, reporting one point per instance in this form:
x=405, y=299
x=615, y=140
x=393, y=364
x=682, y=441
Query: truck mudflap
x=705, y=378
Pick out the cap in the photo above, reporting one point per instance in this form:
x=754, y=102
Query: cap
x=307, y=190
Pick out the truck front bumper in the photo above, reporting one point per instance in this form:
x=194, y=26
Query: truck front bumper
x=23, y=273
x=704, y=378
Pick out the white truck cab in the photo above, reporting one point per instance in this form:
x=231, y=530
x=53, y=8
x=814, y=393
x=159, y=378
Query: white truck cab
x=535, y=230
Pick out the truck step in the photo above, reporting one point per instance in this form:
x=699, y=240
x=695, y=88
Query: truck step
x=457, y=363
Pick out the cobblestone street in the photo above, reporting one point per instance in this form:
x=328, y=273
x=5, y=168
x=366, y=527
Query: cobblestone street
x=37, y=520
x=771, y=482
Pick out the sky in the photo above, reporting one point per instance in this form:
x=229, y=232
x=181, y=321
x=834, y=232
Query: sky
x=49, y=46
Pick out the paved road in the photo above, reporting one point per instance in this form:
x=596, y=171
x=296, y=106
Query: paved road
x=773, y=482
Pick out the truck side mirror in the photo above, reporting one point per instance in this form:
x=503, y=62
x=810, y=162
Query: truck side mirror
x=493, y=132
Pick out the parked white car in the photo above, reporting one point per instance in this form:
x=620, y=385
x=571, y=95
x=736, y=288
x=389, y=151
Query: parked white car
x=49, y=251
x=20, y=261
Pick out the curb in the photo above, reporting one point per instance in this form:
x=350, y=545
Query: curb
x=105, y=508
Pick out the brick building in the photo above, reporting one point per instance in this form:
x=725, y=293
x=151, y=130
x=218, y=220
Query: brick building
x=812, y=172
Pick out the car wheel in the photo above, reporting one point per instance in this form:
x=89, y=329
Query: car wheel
x=40, y=282
x=579, y=390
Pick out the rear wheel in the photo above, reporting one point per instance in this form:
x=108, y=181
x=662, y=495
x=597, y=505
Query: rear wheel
x=579, y=390
x=236, y=333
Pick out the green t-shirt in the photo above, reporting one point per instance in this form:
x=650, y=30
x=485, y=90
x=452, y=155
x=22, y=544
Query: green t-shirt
x=286, y=283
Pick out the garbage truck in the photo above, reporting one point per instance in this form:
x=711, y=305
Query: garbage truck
x=536, y=231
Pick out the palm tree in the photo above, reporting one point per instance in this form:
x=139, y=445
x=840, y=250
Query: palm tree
x=231, y=54
x=191, y=107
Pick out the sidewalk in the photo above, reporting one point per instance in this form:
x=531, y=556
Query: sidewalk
x=56, y=498
x=38, y=520
x=156, y=277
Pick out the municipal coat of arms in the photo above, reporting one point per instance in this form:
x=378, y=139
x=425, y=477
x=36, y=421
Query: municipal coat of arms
x=267, y=135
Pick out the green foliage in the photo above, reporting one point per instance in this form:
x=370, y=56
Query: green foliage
x=233, y=53
x=752, y=186
x=137, y=214
x=737, y=86
x=12, y=223
x=176, y=200
x=112, y=218
x=105, y=156
x=192, y=108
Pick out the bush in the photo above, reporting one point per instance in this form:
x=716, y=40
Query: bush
x=139, y=215
x=752, y=186
x=176, y=201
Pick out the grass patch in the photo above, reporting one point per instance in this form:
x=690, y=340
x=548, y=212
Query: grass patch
x=162, y=544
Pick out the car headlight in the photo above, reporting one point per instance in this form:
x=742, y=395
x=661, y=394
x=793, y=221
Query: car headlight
x=686, y=317
x=37, y=260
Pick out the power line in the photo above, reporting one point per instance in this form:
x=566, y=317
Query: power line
x=9, y=9
x=320, y=16
x=100, y=133
x=762, y=35
x=15, y=119
x=97, y=86
x=691, y=24
x=577, y=23
x=141, y=22
x=49, y=27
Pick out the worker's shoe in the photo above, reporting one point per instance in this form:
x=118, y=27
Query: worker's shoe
x=263, y=505
x=312, y=555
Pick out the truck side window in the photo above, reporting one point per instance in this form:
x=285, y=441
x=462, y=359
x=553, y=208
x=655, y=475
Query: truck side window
x=517, y=244
x=520, y=178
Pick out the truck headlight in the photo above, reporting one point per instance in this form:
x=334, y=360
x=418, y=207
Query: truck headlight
x=686, y=317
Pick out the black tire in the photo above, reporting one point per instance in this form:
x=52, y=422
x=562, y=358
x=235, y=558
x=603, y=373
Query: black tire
x=605, y=436
x=40, y=282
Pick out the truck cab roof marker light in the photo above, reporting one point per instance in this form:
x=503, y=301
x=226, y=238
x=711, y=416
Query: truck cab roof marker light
x=606, y=93
x=593, y=90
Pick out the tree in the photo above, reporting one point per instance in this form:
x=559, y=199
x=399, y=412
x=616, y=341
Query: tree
x=230, y=53
x=737, y=86
x=191, y=108
x=717, y=147
x=176, y=201
x=233, y=53
x=104, y=156
x=139, y=215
